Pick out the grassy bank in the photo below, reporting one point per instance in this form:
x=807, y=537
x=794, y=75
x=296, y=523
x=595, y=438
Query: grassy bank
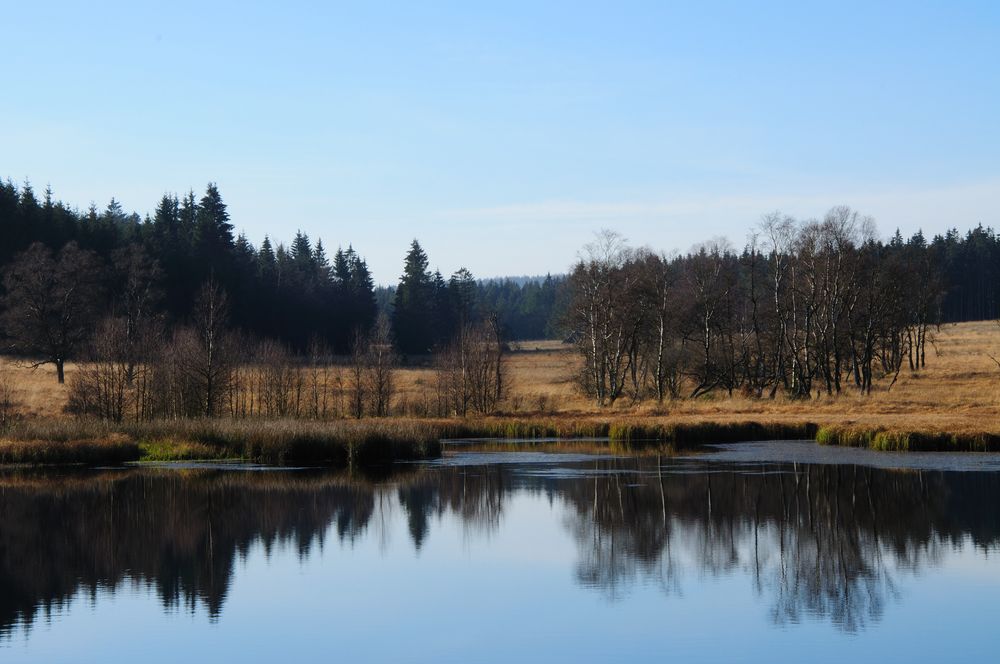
x=281, y=442
x=640, y=433
x=908, y=441
x=371, y=442
x=952, y=404
x=627, y=435
x=111, y=449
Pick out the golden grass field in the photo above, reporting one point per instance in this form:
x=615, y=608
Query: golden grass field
x=959, y=391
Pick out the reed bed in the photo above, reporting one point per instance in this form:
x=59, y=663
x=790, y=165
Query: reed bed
x=279, y=442
x=628, y=436
x=889, y=440
x=524, y=428
x=114, y=449
x=379, y=441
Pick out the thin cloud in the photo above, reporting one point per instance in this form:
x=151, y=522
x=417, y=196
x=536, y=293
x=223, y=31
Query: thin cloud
x=933, y=209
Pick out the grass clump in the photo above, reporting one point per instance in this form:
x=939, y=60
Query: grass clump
x=173, y=450
x=113, y=449
x=628, y=436
x=528, y=429
x=278, y=442
x=898, y=440
x=282, y=442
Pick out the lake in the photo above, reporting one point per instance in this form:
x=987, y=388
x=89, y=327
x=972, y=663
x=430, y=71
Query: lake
x=751, y=552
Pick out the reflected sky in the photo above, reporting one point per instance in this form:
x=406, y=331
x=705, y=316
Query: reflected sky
x=541, y=557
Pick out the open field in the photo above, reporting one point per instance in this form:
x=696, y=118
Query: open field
x=957, y=394
x=959, y=391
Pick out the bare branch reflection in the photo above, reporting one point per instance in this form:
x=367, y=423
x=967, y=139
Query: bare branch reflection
x=818, y=542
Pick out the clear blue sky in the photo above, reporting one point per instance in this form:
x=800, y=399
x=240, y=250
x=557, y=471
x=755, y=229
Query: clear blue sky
x=502, y=137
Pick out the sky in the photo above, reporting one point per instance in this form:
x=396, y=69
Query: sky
x=504, y=135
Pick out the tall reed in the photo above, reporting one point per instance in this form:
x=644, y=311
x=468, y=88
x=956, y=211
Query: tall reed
x=891, y=440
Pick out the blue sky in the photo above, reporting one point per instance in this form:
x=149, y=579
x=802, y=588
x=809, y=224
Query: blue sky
x=503, y=136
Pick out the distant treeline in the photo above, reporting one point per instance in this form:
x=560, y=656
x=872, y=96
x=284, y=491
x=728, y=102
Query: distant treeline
x=970, y=267
x=299, y=294
x=295, y=294
x=527, y=307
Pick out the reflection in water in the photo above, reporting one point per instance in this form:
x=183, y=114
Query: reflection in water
x=822, y=541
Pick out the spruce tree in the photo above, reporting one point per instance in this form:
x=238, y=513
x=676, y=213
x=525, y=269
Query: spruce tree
x=267, y=264
x=322, y=265
x=364, y=307
x=413, y=306
x=462, y=287
x=214, y=232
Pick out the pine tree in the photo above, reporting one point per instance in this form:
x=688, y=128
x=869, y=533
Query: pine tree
x=443, y=321
x=187, y=215
x=166, y=234
x=413, y=306
x=214, y=232
x=362, y=292
x=462, y=288
x=301, y=250
x=322, y=265
x=267, y=264
x=303, y=268
x=341, y=267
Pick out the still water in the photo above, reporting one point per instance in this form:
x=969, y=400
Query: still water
x=774, y=552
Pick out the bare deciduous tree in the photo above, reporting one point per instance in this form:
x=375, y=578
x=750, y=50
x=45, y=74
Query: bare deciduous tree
x=803, y=309
x=51, y=303
x=380, y=367
x=606, y=313
x=472, y=370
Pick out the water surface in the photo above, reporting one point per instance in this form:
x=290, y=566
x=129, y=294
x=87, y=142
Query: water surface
x=774, y=552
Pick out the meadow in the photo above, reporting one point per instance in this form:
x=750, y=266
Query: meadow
x=953, y=404
x=957, y=393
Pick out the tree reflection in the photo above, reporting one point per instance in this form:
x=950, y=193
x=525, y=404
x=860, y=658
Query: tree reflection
x=828, y=542
x=825, y=541
x=179, y=532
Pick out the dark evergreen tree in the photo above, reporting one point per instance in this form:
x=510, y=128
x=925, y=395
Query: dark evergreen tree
x=462, y=291
x=414, y=305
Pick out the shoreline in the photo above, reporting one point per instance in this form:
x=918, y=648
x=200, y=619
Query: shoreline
x=370, y=442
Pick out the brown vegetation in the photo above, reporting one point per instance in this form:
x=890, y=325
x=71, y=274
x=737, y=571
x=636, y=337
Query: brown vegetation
x=281, y=442
x=956, y=394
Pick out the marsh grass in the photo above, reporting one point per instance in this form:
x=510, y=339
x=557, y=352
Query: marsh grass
x=893, y=440
x=369, y=443
x=956, y=394
x=112, y=449
x=282, y=442
x=279, y=442
x=179, y=450
x=523, y=428
x=629, y=436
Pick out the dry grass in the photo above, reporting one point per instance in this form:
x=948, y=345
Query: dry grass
x=109, y=449
x=958, y=394
x=338, y=444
